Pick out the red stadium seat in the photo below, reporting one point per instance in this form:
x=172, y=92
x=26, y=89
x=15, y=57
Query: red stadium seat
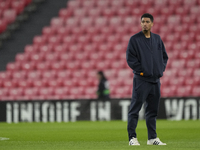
x=18, y=6
x=54, y=40
x=192, y=81
x=101, y=21
x=107, y=30
x=195, y=91
x=187, y=55
x=79, y=74
x=102, y=4
x=173, y=37
x=184, y=91
x=94, y=12
x=4, y=5
x=22, y=57
x=28, y=66
x=31, y=74
x=138, y=11
x=88, y=4
x=31, y=92
x=9, y=15
x=168, y=91
x=83, y=39
x=62, y=48
x=87, y=21
x=118, y=65
x=130, y=20
x=165, y=81
x=97, y=56
x=46, y=48
x=62, y=92
x=115, y=21
x=87, y=65
x=31, y=48
x=69, y=40
x=113, y=39
x=121, y=92
x=92, y=82
x=189, y=3
x=102, y=65
x=185, y=72
x=193, y=63
x=131, y=4
x=48, y=30
x=118, y=3
x=72, y=22
x=74, y=65
x=57, y=22
x=15, y=92
x=111, y=56
x=19, y=75
x=178, y=81
x=128, y=82
x=4, y=92
x=25, y=83
x=76, y=91
x=49, y=74
x=65, y=13
x=125, y=73
x=196, y=72
x=58, y=65
x=5, y=75
x=40, y=83
x=179, y=63
x=80, y=13
x=167, y=11
x=189, y=19
x=64, y=74
x=74, y=4
x=90, y=93
x=37, y=57
x=9, y=83
x=39, y=40
x=51, y=57
x=3, y=25
x=13, y=66
x=176, y=3
x=46, y=92
x=123, y=11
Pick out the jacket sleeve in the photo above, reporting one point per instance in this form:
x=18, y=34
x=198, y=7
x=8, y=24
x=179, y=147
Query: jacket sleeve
x=132, y=58
x=165, y=56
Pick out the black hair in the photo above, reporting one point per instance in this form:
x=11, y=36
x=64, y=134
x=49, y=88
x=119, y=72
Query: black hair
x=147, y=15
x=102, y=75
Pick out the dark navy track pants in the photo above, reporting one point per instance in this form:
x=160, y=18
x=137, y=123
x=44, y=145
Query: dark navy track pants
x=144, y=92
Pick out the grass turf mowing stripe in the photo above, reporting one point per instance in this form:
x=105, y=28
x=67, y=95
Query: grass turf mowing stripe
x=86, y=135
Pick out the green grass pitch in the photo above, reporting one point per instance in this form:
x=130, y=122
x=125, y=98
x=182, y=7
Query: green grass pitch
x=86, y=135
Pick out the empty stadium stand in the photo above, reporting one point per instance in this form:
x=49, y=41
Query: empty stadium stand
x=88, y=36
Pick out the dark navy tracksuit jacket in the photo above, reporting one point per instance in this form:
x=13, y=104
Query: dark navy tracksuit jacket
x=147, y=56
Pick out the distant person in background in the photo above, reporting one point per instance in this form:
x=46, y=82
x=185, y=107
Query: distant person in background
x=103, y=91
x=147, y=57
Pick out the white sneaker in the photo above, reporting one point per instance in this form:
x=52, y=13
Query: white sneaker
x=134, y=141
x=155, y=141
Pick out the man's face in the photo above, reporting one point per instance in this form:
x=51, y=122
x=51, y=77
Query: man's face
x=146, y=24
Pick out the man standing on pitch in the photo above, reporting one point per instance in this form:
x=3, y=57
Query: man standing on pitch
x=147, y=57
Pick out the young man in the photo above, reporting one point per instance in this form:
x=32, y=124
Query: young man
x=147, y=57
